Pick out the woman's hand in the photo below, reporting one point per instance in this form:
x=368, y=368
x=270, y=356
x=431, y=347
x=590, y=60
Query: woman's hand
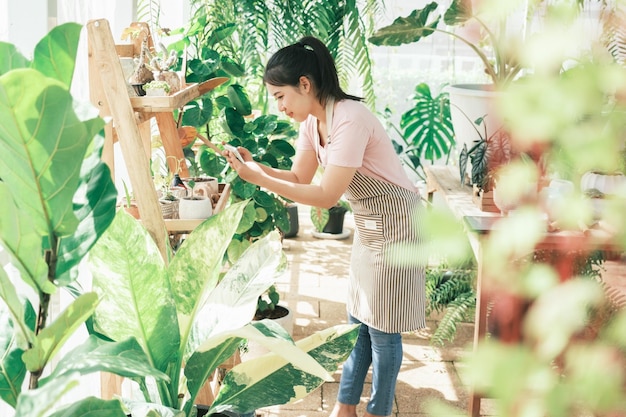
x=245, y=154
x=249, y=170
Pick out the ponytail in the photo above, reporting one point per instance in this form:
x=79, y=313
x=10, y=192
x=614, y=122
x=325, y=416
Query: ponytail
x=308, y=57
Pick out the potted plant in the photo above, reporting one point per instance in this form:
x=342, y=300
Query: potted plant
x=157, y=88
x=329, y=222
x=269, y=141
x=129, y=204
x=294, y=222
x=486, y=35
x=427, y=131
x=152, y=65
x=57, y=199
x=189, y=320
x=268, y=308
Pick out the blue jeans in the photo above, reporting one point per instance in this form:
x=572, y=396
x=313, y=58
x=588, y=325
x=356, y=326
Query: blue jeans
x=384, y=352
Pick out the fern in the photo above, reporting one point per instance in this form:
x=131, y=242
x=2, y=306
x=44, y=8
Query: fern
x=451, y=290
x=614, y=31
x=459, y=310
x=149, y=11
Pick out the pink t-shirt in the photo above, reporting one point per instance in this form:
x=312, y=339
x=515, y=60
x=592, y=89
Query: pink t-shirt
x=357, y=140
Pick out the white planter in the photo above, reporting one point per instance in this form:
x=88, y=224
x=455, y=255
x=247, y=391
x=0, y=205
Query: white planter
x=607, y=184
x=469, y=102
x=198, y=208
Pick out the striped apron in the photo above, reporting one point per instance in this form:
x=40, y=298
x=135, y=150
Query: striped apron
x=384, y=295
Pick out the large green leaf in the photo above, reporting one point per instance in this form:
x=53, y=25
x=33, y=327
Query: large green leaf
x=269, y=334
x=39, y=402
x=239, y=99
x=55, y=54
x=233, y=302
x=92, y=407
x=52, y=338
x=144, y=409
x=319, y=217
x=94, y=206
x=125, y=358
x=428, y=125
x=135, y=298
x=43, y=144
x=11, y=58
x=193, y=272
x=22, y=244
x=459, y=12
x=272, y=379
x=412, y=28
x=233, y=122
x=12, y=369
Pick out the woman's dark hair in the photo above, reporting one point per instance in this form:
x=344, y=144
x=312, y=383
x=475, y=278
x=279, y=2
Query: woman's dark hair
x=308, y=57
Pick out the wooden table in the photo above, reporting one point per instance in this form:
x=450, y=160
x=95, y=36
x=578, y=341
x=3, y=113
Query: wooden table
x=445, y=180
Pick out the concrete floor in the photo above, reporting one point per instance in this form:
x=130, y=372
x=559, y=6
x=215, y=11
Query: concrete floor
x=315, y=287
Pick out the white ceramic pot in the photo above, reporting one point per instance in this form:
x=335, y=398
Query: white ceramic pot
x=195, y=208
x=607, y=184
x=469, y=102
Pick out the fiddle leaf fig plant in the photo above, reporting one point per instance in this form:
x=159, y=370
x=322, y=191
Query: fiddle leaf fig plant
x=57, y=198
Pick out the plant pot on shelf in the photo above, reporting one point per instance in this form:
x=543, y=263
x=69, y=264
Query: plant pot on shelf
x=133, y=210
x=206, y=186
x=169, y=208
x=197, y=207
x=138, y=88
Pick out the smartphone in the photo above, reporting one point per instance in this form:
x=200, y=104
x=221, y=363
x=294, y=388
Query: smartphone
x=234, y=150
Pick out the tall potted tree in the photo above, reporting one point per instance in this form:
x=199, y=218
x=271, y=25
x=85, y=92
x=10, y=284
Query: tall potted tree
x=486, y=35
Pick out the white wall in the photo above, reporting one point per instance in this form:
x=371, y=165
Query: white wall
x=23, y=23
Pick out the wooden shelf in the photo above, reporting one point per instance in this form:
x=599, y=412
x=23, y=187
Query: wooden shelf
x=177, y=100
x=187, y=225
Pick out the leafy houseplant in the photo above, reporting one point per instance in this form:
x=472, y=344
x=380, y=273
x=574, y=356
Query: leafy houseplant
x=57, y=199
x=487, y=155
x=330, y=220
x=267, y=305
x=427, y=130
x=188, y=320
x=491, y=46
x=269, y=141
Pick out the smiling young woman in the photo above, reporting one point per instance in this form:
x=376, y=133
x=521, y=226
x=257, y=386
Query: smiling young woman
x=340, y=134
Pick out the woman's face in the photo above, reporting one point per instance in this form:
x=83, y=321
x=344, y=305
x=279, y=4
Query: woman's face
x=295, y=102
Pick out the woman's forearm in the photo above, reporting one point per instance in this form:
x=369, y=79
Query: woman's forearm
x=281, y=174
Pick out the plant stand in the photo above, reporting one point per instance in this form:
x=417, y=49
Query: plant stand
x=130, y=124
